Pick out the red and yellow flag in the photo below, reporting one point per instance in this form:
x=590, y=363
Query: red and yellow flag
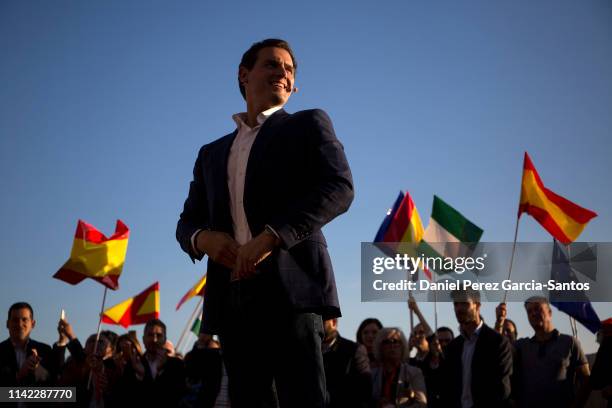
x=563, y=219
x=137, y=310
x=95, y=256
x=197, y=290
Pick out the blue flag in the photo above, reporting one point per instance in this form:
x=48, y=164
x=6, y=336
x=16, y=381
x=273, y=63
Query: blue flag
x=579, y=307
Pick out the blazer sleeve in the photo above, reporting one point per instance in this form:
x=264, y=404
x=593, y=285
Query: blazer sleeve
x=332, y=192
x=504, y=369
x=195, y=209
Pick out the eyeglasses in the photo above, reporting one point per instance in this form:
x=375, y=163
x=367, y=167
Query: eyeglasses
x=390, y=341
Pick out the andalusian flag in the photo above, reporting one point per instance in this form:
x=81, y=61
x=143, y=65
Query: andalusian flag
x=563, y=219
x=95, y=256
x=196, y=290
x=197, y=323
x=137, y=310
x=449, y=234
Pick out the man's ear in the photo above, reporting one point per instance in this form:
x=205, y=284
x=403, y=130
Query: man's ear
x=243, y=74
x=33, y=323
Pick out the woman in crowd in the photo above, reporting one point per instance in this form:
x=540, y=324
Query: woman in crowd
x=366, y=334
x=395, y=382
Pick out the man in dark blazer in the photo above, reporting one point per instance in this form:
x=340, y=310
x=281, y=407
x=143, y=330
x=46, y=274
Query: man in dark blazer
x=23, y=361
x=347, y=370
x=256, y=205
x=477, y=364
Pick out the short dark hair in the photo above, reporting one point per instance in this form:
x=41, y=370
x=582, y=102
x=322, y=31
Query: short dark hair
x=21, y=305
x=464, y=295
x=446, y=329
x=249, y=58
x=366, y=322
x=156, y=322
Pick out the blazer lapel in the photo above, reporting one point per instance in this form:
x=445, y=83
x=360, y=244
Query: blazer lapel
x=265, y=135
x=221, y=190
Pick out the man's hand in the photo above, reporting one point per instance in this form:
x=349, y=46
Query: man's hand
x=66, y=334
x=252, y=253
x=29, y=365
x=219, y=246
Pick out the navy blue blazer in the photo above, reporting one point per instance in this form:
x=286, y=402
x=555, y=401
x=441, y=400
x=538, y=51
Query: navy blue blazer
x=491, y=371
x=297, y=180
x=9, y=368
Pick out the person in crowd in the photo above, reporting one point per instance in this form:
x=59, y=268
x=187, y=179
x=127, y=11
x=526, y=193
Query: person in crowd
x=428, y=354
x=503, y=325
x=67, y=340
x=347, y=370
x=207, y=381
x=601, y=377
x=547, y=364
x=395, y=383
x=366, y=334
x=477, y=366
x=129, y=353
x=24, y=361
x=92, y=371
x=444, y=335
x=164, y=376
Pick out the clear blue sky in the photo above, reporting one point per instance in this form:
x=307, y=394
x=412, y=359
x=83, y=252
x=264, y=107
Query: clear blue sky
x=103, y=106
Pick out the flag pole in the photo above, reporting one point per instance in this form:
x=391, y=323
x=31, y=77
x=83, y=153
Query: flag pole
x=189, y=322
x=512, y=255
x=98, y=331
x=573, y=324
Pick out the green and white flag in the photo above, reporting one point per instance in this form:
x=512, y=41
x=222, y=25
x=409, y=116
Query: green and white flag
x=197, y=323
x=448, y=235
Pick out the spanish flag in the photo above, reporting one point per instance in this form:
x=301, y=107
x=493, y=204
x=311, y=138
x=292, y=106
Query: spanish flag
x=137, y=310
x=563, y=219
x=95, y=256
x=196, y=290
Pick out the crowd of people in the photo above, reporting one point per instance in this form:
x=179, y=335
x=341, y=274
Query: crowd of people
x=482, y=366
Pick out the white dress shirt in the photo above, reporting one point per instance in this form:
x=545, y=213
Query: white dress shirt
x=469, y=345
x=236, y=173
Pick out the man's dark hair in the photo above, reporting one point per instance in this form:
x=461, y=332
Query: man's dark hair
x=156, y=322
x=249, y=58
x=465, y=295
x=363, y=325
x=446, y=329
x=21, y=305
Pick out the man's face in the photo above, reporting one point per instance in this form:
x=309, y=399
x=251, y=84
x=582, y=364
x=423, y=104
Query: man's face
x=467, y=312
x=331, y=327
x=270, y=82
x=20, y=324
x=539, y=315
x=153, y=338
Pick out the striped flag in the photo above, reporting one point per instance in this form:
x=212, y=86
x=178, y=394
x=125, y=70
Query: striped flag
x=96, y=257
x=563, y=219
x=197, y=323
x=449, y=233
x=402, y=223
x=136, y=310
x=196, y=290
